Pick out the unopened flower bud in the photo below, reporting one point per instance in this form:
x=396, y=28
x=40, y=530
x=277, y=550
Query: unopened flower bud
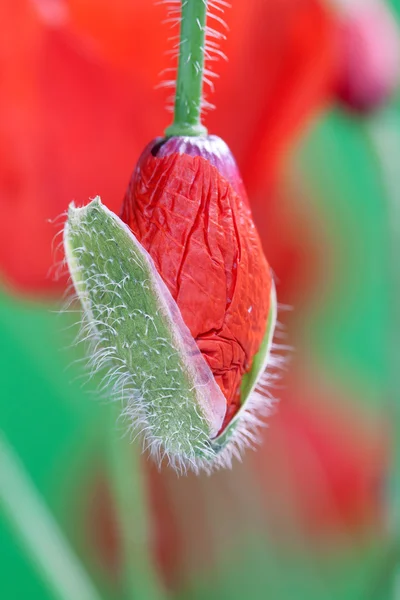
x=186, y=204
x=180, y=306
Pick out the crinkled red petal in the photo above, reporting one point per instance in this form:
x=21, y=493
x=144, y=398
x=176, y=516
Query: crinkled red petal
x=202, y=238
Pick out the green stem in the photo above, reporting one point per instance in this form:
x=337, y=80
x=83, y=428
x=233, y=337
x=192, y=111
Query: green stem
x=128, y=484
x=39, y=532
x=189, y=85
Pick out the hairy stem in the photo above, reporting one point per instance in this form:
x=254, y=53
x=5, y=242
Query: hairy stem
x=189, y=85
x=139, y=577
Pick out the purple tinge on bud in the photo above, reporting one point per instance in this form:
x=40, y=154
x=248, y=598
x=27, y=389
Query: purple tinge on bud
x=369, y=46
x=211, y=147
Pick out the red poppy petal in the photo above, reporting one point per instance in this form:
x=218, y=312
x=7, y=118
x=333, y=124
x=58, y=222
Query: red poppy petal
x=202, y=239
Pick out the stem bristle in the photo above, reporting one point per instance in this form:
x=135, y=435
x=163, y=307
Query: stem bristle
x=194, y=53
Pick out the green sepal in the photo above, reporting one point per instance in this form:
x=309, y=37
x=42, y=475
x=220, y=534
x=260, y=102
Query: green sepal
x=249, y=382
x=139, y=337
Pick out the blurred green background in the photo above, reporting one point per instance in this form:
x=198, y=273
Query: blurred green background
x=313, y=513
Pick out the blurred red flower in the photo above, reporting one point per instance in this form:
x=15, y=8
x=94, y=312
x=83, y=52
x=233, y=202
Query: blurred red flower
x=78, y=105
x=330, y=461
x=369, y=56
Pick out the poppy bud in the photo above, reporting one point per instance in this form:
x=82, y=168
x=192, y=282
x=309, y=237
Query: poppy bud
x=138, y=336
x=369, y=56
x=187, y=206
x=181, y=307
x=178, y=297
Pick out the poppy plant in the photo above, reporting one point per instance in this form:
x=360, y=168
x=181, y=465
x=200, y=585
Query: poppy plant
x=76, y=124
x=187, y=207
x=186, y=204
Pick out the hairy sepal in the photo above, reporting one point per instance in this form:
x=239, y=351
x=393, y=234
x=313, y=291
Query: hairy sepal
x=256, y=402
x=151, y=361
x=139, y=337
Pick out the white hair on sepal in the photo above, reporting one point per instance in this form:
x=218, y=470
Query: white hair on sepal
x=94, y=359
x=125, y=381
x=251, y=417
x=57, y=268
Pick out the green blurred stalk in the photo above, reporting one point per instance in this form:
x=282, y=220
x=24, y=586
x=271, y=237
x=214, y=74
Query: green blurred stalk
x=383, y=133
x=140, y=579
x=38, y=531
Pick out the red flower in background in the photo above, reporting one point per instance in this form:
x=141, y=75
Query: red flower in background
x=74, y=124
x=369, y=56
x=329, y=460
